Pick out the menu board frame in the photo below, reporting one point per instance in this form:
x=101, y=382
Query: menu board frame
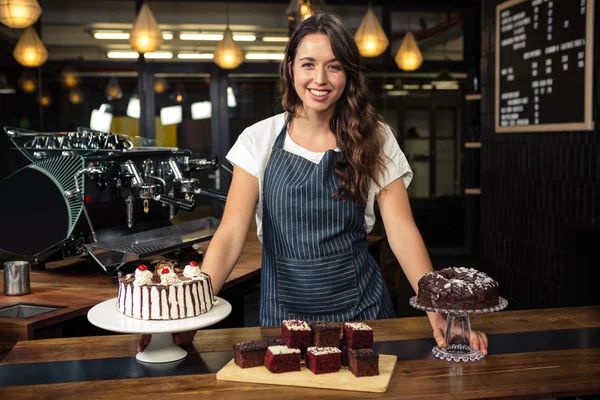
x=587, y=123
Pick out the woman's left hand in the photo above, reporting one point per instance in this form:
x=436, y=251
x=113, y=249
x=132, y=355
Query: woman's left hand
x=479, y=340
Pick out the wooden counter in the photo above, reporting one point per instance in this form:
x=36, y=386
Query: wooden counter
x=79, y=289
x=534, y=374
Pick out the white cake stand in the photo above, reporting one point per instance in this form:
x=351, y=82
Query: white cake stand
x=457, y=345
x=161, y=349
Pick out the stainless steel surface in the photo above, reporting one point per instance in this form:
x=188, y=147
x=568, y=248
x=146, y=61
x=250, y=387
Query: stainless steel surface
x=23, y=310
x=113, y=253
x=16, y=278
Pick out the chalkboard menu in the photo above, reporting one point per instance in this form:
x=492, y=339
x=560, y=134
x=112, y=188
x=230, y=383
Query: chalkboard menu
x=544, y=65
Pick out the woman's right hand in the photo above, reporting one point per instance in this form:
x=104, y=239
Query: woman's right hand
x=181, y=338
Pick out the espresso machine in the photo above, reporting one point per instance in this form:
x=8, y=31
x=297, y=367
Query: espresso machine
x=123, y=186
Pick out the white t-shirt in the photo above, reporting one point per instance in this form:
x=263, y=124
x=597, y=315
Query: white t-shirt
x=253, y=148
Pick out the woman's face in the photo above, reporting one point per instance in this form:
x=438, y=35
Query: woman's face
x=319, y=78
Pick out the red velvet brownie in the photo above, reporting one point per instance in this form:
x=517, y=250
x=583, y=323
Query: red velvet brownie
x=274, y=341
x=296, y=333
x=363, y=362
x=325, y=333
x=280, y=359
x=322, y=360
x=250, y=354
x=358, y=335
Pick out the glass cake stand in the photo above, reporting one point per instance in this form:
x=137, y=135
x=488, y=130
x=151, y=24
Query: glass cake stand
x=161, y=349
x=458, y=331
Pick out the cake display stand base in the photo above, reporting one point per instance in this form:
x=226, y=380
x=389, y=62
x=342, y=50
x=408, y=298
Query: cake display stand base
x=458, y=332
x=161, y=349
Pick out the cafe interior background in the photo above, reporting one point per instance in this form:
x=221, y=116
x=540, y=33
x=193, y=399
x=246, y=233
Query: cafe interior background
x=523, y=207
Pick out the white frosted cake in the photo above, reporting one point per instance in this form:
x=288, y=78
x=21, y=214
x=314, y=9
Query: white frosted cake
x=168, y=293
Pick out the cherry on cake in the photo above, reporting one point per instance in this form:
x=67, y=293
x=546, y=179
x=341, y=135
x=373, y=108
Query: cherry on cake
x=167, y=293
x=325, y=333
x=457, y=288
x=296, y=333
x=279, y=359
x=363, y=362
x=250, y=354
x=358, y=335
x=323, y=360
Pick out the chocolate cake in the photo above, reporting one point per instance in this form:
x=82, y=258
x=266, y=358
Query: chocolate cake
x=358, y=335
x=322, y=360
x=325, y=333
x=296, y=333
x=274, y=341
x=167, y=293
x=280, y=359
x=457, y=289
x=250, y=354
x=363, y=362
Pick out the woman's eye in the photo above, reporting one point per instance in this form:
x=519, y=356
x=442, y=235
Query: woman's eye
x=307, y=65
x=336, y=67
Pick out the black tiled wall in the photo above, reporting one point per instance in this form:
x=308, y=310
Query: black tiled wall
x=540, y=202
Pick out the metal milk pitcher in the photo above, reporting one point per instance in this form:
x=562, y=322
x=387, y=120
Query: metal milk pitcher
x=16, y=278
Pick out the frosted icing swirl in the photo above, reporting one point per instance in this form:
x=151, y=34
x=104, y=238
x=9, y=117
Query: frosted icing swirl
x=142, y=277
x=191, y=271
x=169, y=278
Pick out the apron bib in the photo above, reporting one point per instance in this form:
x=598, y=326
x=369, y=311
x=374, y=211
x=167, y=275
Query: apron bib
x=315, y=262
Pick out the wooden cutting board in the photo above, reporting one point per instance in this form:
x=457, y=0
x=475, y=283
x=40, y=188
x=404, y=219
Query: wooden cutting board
x=342, y=380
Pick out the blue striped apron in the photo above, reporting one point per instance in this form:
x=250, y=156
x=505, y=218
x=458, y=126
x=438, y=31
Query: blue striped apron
x=315, y=260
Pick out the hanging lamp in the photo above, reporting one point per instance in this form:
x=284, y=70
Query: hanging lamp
x=145, y=36
x=179, y=94
x=44, y=99
x=370, y=37
x=30, y=51
x=28, y=82
x=75, y=96
x=70, y=77
x=228, y=54
x=409, y=57
x=160, y=85
x=19, y=13
x=113, y=90
x=304, y=10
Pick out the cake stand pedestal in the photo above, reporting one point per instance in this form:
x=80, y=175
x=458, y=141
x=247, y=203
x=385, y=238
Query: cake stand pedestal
x=161, y=349
x=458, y=331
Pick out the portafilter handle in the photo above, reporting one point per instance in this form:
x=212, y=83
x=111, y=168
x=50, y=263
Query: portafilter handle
x=209, y=193
x=181, y=203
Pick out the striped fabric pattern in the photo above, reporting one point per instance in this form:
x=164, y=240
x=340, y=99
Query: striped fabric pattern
x=316, y=263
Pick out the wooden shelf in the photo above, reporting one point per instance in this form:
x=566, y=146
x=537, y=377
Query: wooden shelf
x=472, y=97
x=473, y=191
x=472, y=145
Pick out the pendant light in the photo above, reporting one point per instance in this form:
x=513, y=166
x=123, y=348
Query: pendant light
x=370, y=37
x=70, y=77
x=44, y=99
x=228, y=54
x=19, y=13
x=304, y=10
x=409, y=57
x=30, y=51
x=75, y=96
x=113, y=90
x=145, y=36
x=160, y=85
x=179, y=95
x=28, y=82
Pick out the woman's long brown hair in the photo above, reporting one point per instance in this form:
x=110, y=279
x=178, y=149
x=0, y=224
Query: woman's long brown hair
x=355, y=123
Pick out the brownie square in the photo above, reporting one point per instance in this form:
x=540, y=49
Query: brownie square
x=274, y=341
x=323, y=360
x=363, y=362
x=296, y=334
x=250, y=354
x=358, y=335
x=279, y=359
x=325, y=333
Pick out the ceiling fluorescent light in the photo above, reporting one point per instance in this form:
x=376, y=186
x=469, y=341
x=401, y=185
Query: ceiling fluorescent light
x=201, y=36
x=158, y=55
x=111, y=35
x=122, y=54
x=167, y=36
x=411, y=87
x=426, y=87
x=195, y=56
x=278, y=39
x=388, y=86
x=244, y=38
x=264, y=56
x=398, y=93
